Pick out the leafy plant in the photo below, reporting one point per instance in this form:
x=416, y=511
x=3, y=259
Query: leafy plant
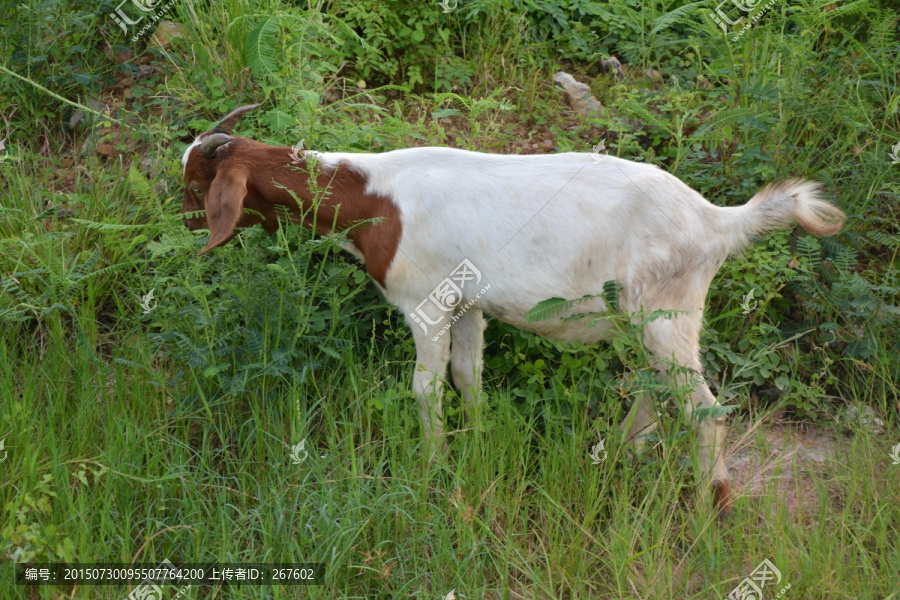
x=29, y=535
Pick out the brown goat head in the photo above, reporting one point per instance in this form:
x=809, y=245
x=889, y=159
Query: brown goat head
x=240, y=182
x=217, y=174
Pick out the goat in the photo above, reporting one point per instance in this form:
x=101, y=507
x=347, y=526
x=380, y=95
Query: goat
x=528, y=227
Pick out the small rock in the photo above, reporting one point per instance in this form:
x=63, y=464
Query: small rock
x=81, y=118
x=861, y=414
x=166, y=33
x=612, y=65
x=579, y=95
x=119, y=56
x=107, y=149
x=150, y=166
x=97, y=105
x=77, y=119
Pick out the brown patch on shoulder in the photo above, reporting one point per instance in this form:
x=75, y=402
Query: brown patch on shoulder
x=376, y=241
x=721, y=496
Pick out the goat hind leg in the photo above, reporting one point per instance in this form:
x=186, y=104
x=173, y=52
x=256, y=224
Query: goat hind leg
x=679, y=339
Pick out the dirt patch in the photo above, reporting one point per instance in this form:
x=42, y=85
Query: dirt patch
x=783, y=459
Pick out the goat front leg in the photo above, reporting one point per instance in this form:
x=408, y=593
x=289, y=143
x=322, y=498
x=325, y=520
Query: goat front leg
x=466, y=355
x=710, y=430
x=640, y=422
x=432, y=356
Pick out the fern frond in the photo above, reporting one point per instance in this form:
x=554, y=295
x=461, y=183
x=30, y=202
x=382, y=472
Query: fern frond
x=632, y=106
x=859, y=7
x=809, y=248
x=884, y=239
x=845, y=259
x=552, y=308
x=260, y=47
x=721, y=119
x=140, y=185
x=611, y=290
x=670, y=18
x=108, y=226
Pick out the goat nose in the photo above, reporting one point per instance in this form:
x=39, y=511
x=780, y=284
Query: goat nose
x=186, y=223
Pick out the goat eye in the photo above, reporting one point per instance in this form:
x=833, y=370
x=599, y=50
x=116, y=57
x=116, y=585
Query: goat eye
x=197, y=189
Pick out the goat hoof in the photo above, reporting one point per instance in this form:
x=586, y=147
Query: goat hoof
x=721, y=496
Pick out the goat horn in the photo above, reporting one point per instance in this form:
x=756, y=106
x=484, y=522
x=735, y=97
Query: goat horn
x=228, y=123
x=211, y=143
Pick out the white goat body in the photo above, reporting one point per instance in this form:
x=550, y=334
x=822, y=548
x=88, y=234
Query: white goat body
x=558, y=225
x=533, y=227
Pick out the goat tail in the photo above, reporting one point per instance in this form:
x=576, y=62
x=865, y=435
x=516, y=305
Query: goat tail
x=779, y=206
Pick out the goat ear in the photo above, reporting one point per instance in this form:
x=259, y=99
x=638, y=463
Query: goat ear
x=224, y=204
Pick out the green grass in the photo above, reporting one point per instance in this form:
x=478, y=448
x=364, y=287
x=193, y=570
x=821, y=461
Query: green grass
x=136, y=476
x=133, y=437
